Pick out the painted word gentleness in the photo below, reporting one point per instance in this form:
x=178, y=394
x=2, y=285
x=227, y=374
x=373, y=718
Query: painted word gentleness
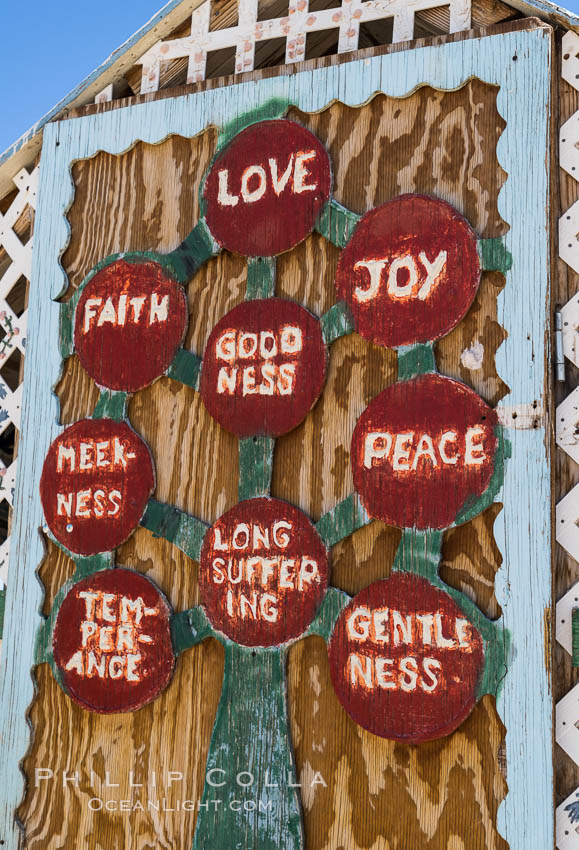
x=417, y=630
x=110, y=635
x=266, y=377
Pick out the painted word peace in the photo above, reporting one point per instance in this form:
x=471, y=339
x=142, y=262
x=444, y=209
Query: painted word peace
x=264, y=572
x=405, y=662
x=423, y=450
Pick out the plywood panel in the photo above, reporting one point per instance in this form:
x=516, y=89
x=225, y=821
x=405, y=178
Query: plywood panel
x=376, y=793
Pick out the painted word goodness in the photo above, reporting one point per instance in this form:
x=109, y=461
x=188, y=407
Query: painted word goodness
x=236, y=347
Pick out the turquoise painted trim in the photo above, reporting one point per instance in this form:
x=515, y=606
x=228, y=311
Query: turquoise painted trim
x=332, y=606
x=186, y=368
x=523, y=526
x=189, y=628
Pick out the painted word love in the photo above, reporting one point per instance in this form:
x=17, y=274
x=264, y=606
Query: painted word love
x=264, y=367
x=95, y=483
x=422, y=450
x=130, y=320
x=410, y=272
x=266, y=188
x=264, y=573
x=112, y=642
x=404, y=661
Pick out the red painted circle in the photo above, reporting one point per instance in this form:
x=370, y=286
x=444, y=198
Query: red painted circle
x=129, y=323
x=266, y=188
x=264, y=367
x=96, y=480
x=423, y=275
x=422, y=450
x=264, y=573
x=112, y=642
x=404, y=661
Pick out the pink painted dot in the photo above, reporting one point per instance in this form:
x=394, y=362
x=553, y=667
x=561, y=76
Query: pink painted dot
x=311, y=20
x=357, y=13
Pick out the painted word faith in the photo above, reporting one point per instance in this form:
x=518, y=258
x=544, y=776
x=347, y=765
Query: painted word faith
x=129, y=321
x=147, y=309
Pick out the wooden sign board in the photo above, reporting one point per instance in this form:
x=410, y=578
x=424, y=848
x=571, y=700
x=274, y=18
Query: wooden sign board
x=325, y=619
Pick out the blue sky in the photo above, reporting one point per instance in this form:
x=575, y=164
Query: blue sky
x=63, y=42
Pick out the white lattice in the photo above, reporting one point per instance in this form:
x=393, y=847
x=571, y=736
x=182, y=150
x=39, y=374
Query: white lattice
x=19, y=256
x=293, y=28
x=567, y=435
x=564, y=617
x=567, y=823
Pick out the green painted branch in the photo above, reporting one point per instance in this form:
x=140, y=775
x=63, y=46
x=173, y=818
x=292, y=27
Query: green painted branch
x=189, y=628
x=276, y=107
x=186, y=532
x=336, y=322
x=255, y=466
x=342, y=520
x=419, y=553
x=83, y=567
x=474, y=507
x=494, y=255
x=334, y=603
x=111, y=405
x=192, y=253
x=575, y=636
x=260, y=278
x=337, y=224
x=186, y=368
x=415, y=360
x=251, y=746
x=65, y=326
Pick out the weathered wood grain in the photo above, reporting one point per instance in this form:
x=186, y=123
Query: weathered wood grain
x=437, y=796
x=525, y=816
